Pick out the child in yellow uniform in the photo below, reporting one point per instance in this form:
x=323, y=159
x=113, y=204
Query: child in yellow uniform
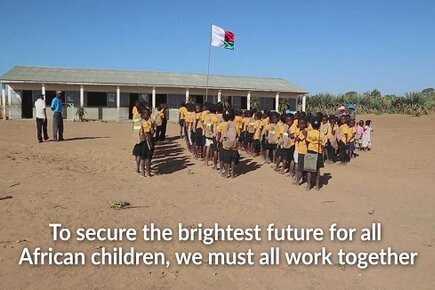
x=198, y=137
x=331, y=142
x=182, y=111
x=279, y=131
x=210, y=125
x=136, y=127
x=249, y=128
x=147, y=144
x=352, y=135
x=190, y=120
x=218, y=144
x=316, y=141
x=238, y=120
x=301, y=147
x=229, y=135
x=258, y=125
x=286, y=142
x=270, y=133
x=343, y=140
x=265, y=123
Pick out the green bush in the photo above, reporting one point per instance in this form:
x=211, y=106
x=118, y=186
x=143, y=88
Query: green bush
x=413, y=103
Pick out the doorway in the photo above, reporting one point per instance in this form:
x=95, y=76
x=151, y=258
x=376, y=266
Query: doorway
x=27, y=105
x=161, y=99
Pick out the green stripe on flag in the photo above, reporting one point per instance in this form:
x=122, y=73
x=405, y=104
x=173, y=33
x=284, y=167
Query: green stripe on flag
x=229, y=45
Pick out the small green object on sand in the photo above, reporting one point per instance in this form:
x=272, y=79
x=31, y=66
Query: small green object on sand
x=119, y=204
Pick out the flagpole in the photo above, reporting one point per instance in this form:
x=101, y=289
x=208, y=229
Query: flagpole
x=208, y=66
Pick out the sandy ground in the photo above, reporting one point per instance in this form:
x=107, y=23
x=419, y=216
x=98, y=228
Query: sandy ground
x=72, y=183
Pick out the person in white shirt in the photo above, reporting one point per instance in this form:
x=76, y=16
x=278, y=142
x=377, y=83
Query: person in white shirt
x=41, y=118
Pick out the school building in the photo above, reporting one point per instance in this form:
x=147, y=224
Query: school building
x=110, y=94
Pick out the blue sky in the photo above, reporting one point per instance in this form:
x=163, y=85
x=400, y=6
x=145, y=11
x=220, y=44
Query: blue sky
x=323, y=46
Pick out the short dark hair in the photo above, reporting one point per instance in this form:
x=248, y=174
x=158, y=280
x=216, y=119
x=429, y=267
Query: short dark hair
x=229, y=115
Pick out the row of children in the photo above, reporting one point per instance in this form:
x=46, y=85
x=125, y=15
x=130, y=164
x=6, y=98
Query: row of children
x=288, y=141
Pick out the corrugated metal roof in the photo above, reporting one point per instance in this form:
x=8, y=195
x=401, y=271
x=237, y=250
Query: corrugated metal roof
x=142, y=78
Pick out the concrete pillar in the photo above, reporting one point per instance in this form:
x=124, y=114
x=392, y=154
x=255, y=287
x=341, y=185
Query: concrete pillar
x=187, y=95
x=153, y=99
x=8, y=111
x=304, y=103
x=277, y=102
x=3, y=102
x=43, y=89
x=118, y=97
x=248, y=97
x=82, y=96
x=219, y=96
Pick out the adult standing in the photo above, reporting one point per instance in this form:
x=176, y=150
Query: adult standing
x=56, y=106
x=41, y=118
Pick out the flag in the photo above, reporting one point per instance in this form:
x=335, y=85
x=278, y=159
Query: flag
x=222, y=38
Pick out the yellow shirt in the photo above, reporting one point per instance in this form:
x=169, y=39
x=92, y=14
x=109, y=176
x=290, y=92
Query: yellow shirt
x=220, y=120
x=343, y=131
x=198, y=120
x=148, y=126
x=295, y=122
x=279, y=129
x=182, y=111
x=301, y=145
x=210, y=121
x=265, y=122
x=316, y=141
x=239, y=122
x=135, y=113
x=257, y=126
x=245, y=123
x=331, y=131
x=352, y=134
x=136, y=119
x=190, y=117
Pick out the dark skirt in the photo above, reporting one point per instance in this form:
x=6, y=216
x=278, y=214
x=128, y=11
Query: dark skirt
x=256, y=145
x=146, y=150
x=287, y=154
x=181, y=122
x=249, y=137
x=228, y=156
x=199, y=138
x=270, y=146
x=136, y=149
x=320, y=163
x=263, y=142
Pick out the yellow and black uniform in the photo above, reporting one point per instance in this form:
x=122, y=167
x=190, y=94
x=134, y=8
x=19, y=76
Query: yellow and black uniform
x=182, y=111
x=136, y=127
x=301, y=147
x=316, y=141
x=343, y=142
x=198, y=133
x=249, y=128
x=258, y=125
x=287, y=142
x=147, y=146
x=271, y=136
x=228, y=156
